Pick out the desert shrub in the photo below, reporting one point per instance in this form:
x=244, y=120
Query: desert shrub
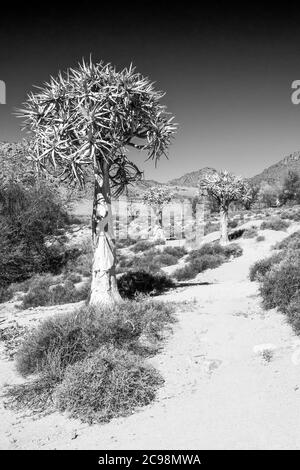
x=164, y=259
x=290, y=242
x=250, y=232
x=233, y=223
x=281, y=283
x=74, y=278
x=27, y=217
x=186, y=272
x=176, y=251
x=233, y=250
x=142, y=282
x=211, y=227
x=65, y=339
x=5, y=294
x=261, y=267
x=209, y=256
x=144, y=245
x=80, y=260
x=260, y=238
x=124, y=242
x=46, y=290
x=150, y=261
x=110, y=383
x=274, y=223
x=293, y=313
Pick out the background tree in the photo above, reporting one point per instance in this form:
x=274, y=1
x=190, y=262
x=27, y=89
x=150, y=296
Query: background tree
x=252, y=196
x=291, y=188
x=225, y=188
x=157, y=198
x=268, y=195
x=86, y=119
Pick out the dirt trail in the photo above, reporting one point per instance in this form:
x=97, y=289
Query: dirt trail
x=219, y=394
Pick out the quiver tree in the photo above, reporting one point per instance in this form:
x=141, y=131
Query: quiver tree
x=86, y=120
x=157, y=198
x=225, y=188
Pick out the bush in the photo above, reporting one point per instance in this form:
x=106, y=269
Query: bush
x=144, y=245
x=186, y=272
x=176, y=251
x=124, y=242
x=293, y=313
x=274, y=223
x=260, y=238
x=209, y=256
x=47, y=290
x=110, y=383
x=27, y=217
x=74, y=278
x=250, y=232
x=281, y=283
x=142, y=282
x=233, y=250
x=259, y=269
x=5, y=294
x=66, y=339
x=291, y=242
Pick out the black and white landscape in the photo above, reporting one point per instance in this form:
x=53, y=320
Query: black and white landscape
x=150, y=228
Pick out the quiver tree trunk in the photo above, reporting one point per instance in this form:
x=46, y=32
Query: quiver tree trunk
x=224, y=226
x=158, y=233
x=104, y=288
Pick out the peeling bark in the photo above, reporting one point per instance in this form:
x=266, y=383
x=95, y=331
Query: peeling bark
x=104, y=288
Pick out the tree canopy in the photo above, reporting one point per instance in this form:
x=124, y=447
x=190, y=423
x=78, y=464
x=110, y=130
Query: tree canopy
x=94, y=113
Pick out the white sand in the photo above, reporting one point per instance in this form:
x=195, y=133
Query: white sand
x=220, y=391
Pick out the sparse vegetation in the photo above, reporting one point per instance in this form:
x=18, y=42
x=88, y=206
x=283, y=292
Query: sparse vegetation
x=274, y=223
x=209, y=256
x=250, y=232
x=106, y=341
x=49, y=290
x=111, y=383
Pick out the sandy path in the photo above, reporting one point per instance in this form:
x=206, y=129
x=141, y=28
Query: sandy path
x=218, y=394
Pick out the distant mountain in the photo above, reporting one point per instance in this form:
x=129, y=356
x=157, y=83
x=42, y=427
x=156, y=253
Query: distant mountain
x=192, y=179
x=275, y=174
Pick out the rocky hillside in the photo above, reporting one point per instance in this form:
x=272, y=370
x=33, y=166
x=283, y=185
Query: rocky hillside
x=191, y=179
x=275, y=174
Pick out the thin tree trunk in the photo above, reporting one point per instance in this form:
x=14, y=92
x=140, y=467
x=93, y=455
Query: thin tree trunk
x=224, y=226
x=104, y=290
x=158, y=233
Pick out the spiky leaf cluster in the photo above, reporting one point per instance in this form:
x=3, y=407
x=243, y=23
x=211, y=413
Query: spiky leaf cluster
x=225, y=188
x=157, y=197
x=92, y=114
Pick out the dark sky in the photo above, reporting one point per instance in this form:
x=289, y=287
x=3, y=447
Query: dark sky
x=227, y=72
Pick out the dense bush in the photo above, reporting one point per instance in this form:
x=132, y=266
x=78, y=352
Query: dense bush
x=27, y=217
x=293, y=313
x=142, y=282
x=114, y=381
x=176, y=251
x=144, y=245
x=282, y=282
x=209, y=256
x=48, y=290
x=124, y=242
x=274, y=223
x=259, y=269
x=292, y=242
x=65, y=339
